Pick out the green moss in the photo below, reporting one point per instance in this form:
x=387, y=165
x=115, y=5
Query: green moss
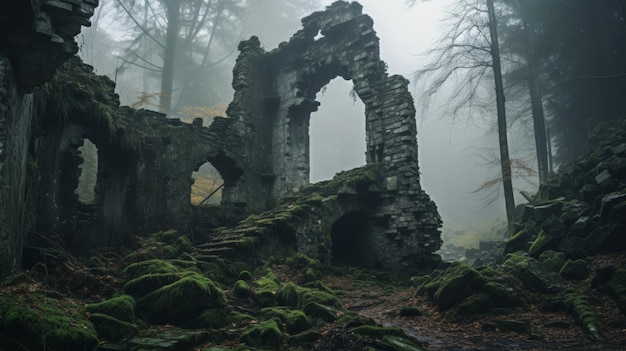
x=168, y=236
x=319, y=297
x=145, y=284
x=266, y=288
x=297, y=322
x=245, y=275
x=241, y=289
x=77, y=94
x=37, y=322
x=289, y=294
x=182, y=300
x=120, y=307
x=304, y=340
x=264, y=335
x=276, y=313
x=543, y=242
x=455, y=284
x=155, y=266
x=111, y=328
x=322, y=312
x=301, y=261
x=577, y=270
x=351, y=319
x=583, y=313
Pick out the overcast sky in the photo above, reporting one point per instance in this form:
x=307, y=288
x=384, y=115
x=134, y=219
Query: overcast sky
x=450, y=163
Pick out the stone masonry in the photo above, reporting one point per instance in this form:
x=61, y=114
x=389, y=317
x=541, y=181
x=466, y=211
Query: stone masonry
x=145, y=159
x=36, y=36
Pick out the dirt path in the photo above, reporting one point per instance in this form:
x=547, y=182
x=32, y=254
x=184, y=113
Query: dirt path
x=436, y=330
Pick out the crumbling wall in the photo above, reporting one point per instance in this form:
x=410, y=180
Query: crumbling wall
x=15, y=184
x=337, y=42
x=35, y=38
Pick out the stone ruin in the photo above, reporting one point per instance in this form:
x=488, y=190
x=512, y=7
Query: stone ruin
x=261, y=150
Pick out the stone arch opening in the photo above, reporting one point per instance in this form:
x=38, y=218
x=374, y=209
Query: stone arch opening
x=353, y=242
x=88, y=172
x=218, y=173
x=206, y=185
x=336, y=131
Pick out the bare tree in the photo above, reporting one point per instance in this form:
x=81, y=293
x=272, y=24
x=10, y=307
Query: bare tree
x=469, y=57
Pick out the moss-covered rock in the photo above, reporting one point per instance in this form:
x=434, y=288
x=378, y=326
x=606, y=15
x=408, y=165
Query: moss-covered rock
x=182, y=300
x=518, y=242
x=583, y=313
x=543, y=242
x=577, y=270
x=121, y=307
x=245, y=275
x=553, y=259
x=320, y=312
x=264, y=335
x=455, y=284
x=111, y=328
x=307, y=296
x=147, y=283
x=241, y=289
x=289, y=294
x=535, y=276
x=154, y=266
x=297, y=322
x=41, y=323
x=265, y=292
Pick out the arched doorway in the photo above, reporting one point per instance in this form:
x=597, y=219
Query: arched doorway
x=207, y=184
x=336, y=131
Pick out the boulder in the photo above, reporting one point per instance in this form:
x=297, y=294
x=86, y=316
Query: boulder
x=577, y=270
x=535, y=276
x=454, y=285
x=181, y=301
x=553, y=259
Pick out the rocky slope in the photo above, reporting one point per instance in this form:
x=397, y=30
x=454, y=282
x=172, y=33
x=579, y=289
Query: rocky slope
x=558, y=283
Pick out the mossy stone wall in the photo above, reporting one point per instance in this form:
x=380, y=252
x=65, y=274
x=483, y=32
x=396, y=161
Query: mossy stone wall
x=15, y=184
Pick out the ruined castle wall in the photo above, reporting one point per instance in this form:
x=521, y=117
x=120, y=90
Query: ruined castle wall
x=15, y=185
x=341, y=42
x=36, y=37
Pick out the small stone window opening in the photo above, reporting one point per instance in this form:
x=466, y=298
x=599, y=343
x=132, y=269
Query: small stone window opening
x=88, y=172
x=352, y=242
x=206, y=185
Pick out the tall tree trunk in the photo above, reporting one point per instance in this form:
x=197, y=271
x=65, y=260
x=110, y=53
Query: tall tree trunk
x=539, y=122
x=167, y=80
x=502, y=127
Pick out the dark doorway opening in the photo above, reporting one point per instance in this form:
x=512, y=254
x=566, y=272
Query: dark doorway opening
x=352, y=242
